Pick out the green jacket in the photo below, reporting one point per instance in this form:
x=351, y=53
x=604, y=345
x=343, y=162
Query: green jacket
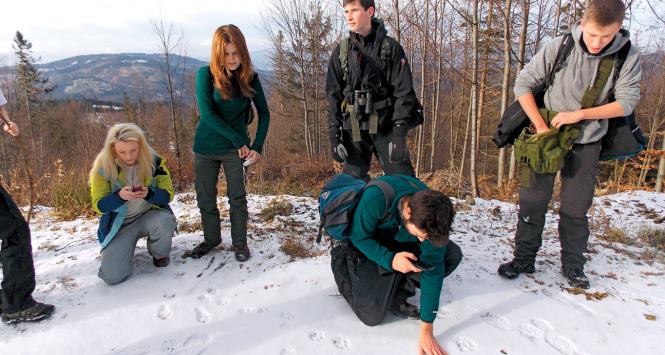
x=223, y=124
x=367, y=220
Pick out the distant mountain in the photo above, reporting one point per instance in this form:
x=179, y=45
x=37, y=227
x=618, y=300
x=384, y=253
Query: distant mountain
x=109, y=77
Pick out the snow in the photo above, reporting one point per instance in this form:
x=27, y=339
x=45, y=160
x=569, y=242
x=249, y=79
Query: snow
x=276, y=304
x=74, y=62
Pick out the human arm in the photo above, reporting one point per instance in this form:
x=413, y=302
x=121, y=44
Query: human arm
x=335, y=95
x=263, y=112
x=164, y=192
x=205, y=101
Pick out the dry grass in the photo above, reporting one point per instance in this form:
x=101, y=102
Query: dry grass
x=295, y=248
x=653, y=236
x=276, y=207
x=616, y=235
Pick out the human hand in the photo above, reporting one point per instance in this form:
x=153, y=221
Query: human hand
x=252, y=158
x=11, y=128
x=402, y=262
x=427, y=343
x=397, y=146
x=339, y=153
x=243, y=152
x=127, y=193
x=563, y=118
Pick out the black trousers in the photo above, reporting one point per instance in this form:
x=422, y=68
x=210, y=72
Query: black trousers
x=370, y=289
x=360, y=155
x=578, y=180
x=18, y=270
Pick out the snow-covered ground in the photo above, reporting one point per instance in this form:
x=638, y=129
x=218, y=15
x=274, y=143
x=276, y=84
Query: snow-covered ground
x=278, y=304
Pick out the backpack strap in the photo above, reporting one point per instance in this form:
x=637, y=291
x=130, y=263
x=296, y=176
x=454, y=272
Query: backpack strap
x=388, y=193
x=620, y=58
x=562, y=54
x=344, y=56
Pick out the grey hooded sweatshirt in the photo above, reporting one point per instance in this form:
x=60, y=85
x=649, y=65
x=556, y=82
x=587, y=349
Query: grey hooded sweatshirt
x=577, y=75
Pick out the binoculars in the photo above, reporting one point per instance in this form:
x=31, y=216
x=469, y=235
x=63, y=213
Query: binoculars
x=362, y=102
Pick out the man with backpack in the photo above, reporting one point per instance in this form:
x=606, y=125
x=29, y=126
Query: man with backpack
x=391, y=237
x=18, y=270
x=371, y=101
x=598, y=79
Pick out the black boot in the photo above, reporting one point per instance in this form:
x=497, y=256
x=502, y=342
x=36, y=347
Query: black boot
x=200, y=250
x=575, y=277
x=242, y=253
x=405, y=310
x=515, y=267
x=31, y=314
x=161, y=262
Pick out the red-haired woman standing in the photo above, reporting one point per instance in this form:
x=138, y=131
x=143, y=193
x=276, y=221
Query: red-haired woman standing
x=224, y=91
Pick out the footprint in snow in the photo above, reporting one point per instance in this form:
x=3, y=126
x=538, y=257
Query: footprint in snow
x=224, y=301
x=254, y=310
x=465, y=344
x=341, y=342
x=202, y=315
x=562, y=344
x=289, y=350
x=165, y=312
x=206, y=298
x=196, y=340
x=496, y=320
x=530, y=332
x=317, y=335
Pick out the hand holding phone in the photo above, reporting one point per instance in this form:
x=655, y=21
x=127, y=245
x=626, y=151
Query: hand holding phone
x=136, y=188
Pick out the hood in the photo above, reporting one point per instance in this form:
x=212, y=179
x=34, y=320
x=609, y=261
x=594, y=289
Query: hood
x=620, y=40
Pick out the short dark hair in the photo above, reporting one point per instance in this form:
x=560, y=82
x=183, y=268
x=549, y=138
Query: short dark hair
x=432, y=212
x=366, y=4
x=605, y=12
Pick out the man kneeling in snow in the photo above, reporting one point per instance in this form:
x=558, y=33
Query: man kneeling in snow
x=391, y=251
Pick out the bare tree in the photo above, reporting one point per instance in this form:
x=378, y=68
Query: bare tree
x=173, y=50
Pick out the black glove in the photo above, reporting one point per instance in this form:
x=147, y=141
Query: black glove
x=397, y=146
x=339, y=152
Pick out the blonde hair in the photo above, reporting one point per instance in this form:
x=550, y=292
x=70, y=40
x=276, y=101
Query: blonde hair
x=107, y=162
x=221, y=75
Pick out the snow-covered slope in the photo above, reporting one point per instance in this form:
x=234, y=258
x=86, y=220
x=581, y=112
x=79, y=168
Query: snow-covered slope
x=278, y=304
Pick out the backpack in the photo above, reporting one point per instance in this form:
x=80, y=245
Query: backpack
x=383, y=61
x=339, y=199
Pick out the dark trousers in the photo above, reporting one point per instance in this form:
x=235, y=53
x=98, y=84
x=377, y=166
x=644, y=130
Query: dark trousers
x=18, y=270
x=370, y=289
x=360, y=155
x=206, y=168
x=578, y=180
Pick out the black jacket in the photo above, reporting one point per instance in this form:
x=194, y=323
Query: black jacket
x=396, y=83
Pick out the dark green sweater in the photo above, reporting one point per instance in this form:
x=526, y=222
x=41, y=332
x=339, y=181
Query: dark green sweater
x=223, y=127
x=367, y=219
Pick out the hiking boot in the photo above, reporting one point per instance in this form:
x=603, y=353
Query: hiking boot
x=515, y=267
x=161, y=262
x=242, y=253
x=575, y=276
x=31, y=314
x=200, y=250
x=405, y=310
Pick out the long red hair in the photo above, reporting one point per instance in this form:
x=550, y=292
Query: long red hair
x=221, y=74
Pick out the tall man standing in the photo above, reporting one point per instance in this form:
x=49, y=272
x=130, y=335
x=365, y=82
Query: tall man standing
x=18, y=271
x=577, y=101
x=371, y=101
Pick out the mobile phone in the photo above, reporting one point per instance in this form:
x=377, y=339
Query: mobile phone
x=422, y=266
x=136, y=188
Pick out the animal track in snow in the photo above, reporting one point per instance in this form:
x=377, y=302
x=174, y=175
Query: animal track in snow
x=317, y=335
x=496, y=320
x=541, y=329
x=342, y=342
x=562, y=344
x=164, y=312
x=465, y=344
x=202, y=315
x=251, y=310
x=289, y=350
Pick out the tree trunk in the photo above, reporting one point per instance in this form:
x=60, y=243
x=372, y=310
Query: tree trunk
x=474, y=103
x=520, y=63
x=661, y=168
x=505, y=84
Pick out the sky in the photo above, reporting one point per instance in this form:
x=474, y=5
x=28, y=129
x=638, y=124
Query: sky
x=61, y=29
